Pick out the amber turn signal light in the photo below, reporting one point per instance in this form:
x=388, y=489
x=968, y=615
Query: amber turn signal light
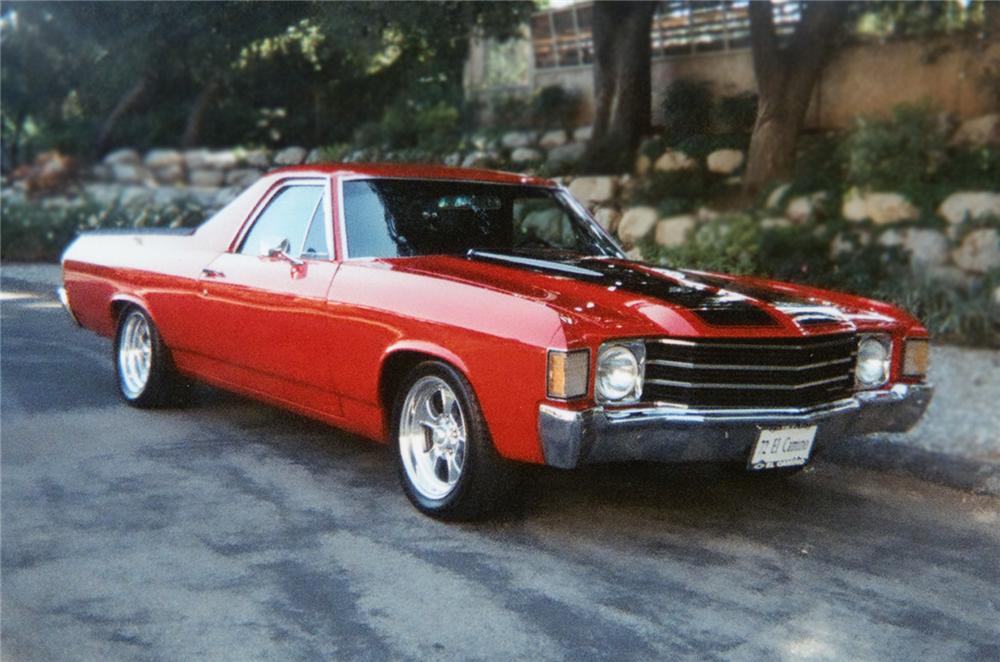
x=568, y=374
x=916, y=357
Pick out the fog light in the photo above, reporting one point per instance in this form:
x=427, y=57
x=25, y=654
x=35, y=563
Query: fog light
x=874, y=358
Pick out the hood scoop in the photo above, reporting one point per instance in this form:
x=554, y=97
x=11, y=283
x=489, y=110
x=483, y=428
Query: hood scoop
x=712, y=305
x=805, y=316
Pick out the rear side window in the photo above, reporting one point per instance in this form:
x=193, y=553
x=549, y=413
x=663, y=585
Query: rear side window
x=287, y=220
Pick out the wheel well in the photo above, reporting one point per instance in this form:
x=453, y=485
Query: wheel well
x=395, y=369
x=117, y=306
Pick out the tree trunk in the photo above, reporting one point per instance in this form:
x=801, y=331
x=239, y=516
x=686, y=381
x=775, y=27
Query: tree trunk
x=129, y=100
x=196, y=116
x=772, y=149
x=992, y=19
x=785, y=81
x=622, y=84
x=13, y=146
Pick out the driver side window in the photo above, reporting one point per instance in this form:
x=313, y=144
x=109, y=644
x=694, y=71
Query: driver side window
x=293, y=220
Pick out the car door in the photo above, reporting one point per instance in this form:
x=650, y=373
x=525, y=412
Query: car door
x=264, y=301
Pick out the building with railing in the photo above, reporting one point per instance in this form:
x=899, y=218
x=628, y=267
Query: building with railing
x=710, y=41
x=563, y=36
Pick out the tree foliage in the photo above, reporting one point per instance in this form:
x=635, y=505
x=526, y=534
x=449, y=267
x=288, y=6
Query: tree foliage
x=86, y=76
x=787, y=72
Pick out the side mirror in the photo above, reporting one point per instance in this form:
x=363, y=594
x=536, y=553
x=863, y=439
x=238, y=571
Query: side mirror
x=277, y=249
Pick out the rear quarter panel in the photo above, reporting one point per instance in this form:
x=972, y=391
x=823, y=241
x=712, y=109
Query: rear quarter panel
x=156, y=272
x=153, y=270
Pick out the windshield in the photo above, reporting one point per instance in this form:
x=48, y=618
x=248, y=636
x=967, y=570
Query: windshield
x=403, y=218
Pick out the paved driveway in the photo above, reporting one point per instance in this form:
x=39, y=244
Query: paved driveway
x=234, y=531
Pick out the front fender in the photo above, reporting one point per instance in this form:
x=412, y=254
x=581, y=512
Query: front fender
x=424, y=347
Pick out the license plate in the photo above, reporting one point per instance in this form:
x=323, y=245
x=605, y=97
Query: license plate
x=782, y=447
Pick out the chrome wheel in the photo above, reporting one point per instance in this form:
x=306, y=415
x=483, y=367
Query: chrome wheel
x=135, y=353
x=432, y=437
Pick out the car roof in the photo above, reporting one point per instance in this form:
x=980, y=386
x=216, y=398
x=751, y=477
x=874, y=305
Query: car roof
x=416, y=171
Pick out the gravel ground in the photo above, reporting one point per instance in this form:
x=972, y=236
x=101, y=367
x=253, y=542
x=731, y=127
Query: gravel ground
x=963, y=420
x=230, y=530
x=964, y=416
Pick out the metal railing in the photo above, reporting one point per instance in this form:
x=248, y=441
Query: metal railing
x=564, y=37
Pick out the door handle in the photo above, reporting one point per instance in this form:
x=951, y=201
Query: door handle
x=212, y=273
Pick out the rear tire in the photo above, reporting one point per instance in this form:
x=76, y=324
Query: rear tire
x=146, y=374
x=447, y=464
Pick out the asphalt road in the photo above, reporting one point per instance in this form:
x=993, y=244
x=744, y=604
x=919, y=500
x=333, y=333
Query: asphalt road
x=233, y=531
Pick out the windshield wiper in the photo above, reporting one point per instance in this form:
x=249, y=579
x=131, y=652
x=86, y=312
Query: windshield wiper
x=537, y=263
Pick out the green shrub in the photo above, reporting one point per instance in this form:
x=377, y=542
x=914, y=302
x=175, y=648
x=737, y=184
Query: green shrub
x=512, y=111
x=728, y=244
x=797, y=253
x=555, y=107
x=700, y=146
x=653, y=147
x=434, y=129
x=965, y=314
x=819, y=164
x=695, y=185
x=41, y=231
x=687, y=110
x=976, y=168
x=899, y=153
x=471, y=114
x=668, y=207
x=369, y=135
x=336, y=153
x=909, y=153
x=438, y=128
x=737, y=113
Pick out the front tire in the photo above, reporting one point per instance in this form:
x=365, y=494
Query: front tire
x=146, y=374
x=447, y=464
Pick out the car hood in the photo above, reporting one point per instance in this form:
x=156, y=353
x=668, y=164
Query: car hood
x=605, y=296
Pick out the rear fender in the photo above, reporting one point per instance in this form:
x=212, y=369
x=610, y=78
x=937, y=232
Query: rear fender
x=121, y=300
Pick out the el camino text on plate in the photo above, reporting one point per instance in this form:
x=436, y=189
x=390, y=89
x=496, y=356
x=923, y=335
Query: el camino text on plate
x=783, y=447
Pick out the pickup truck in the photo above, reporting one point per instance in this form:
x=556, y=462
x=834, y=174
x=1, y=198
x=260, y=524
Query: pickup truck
x=479, y=320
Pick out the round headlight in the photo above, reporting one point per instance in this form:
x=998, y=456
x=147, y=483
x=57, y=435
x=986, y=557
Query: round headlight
x=617, y=373
x=873, y=362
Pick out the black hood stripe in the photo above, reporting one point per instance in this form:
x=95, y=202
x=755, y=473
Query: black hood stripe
x=804, y=312
x=713, y=305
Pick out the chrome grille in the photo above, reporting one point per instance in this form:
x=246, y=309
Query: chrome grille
x=752, y=372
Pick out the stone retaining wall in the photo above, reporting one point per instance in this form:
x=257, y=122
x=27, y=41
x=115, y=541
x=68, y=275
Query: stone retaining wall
x=211, y=178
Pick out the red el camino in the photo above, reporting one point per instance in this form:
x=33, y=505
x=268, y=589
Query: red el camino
x=477, y=320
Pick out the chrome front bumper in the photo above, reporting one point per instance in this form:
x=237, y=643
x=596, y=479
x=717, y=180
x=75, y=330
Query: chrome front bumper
x=674, y=434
